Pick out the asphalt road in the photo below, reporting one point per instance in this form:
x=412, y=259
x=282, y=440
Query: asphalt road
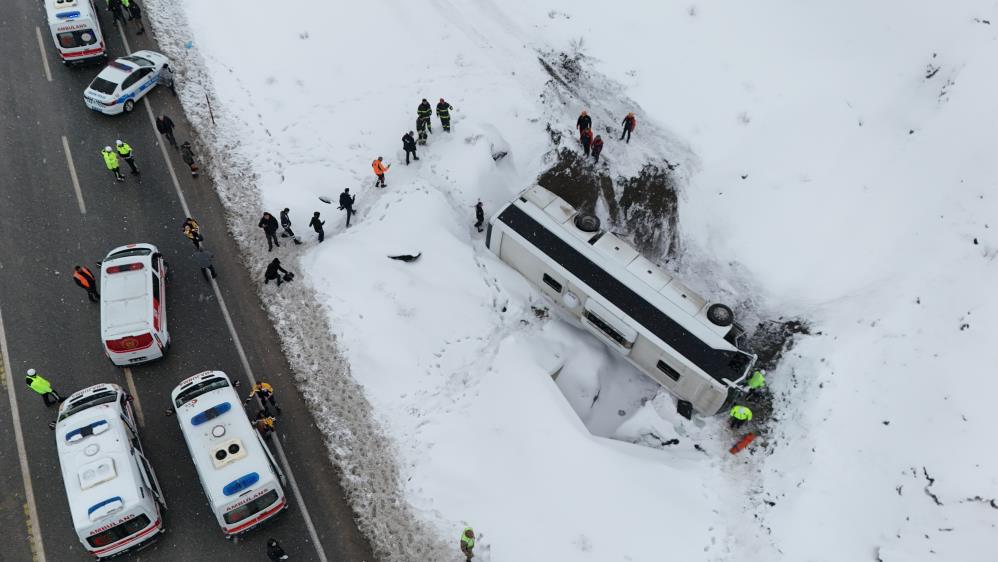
x=51, y=326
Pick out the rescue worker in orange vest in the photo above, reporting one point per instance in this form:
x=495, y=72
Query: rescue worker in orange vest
x=85, y=279
x=379, y=170
x=265, y=393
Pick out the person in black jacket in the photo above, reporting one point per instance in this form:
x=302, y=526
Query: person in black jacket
x=584, y=122
x=409, y=145
x=135, y=14
x=274, y=551
x=479, y=216
x=346, y=203
x=423, y=114
x=443, y=112
x=117, y=12
x=165, y=127
x=286, y=224
x=269, y=225
x=317, y=225
x=272, y=272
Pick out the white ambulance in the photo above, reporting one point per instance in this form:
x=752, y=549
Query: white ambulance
x=242, y=480
x=76, y=30
x=113, y=493
x=133, y=304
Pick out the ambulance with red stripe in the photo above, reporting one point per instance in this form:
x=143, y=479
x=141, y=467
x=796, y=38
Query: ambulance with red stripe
x=76, y=30
x=113, y=494
x=133, y=304
x=239, y=475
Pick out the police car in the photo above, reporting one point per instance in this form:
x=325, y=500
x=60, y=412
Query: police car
x=124, y=81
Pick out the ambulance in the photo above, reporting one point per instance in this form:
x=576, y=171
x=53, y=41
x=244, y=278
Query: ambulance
x=133, y=304
x=114, y=497
x=240, y=477
x=76, y=30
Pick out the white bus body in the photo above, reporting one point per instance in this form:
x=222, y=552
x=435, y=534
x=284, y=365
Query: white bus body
x=239, y=475
x=661, y=327
x=113, y=493
x=76, y=30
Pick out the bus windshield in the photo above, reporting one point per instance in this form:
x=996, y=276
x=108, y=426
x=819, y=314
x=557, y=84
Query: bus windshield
x=119, y=532
x=200, y=388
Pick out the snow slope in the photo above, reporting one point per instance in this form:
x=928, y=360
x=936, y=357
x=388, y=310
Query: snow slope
x=837, y=167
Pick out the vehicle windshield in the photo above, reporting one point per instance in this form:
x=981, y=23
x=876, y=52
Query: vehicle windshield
x=139, y=60
x=119, y=532
x=103, y=86
x=128, y=253
x=252, y=508
x=199, y=389
x=88, y=402
x=78, y=38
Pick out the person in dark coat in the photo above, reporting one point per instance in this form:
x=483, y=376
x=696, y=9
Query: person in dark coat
x=274, y=271
x=135, y=14
x=421, y=132
x=409, y=145
x=443, y=112
x=423, y=114
x=586, y=138
x=629, y=123
x=205, y=261
x=117, y=12
x=187, y=155
x=479, y=216
x=165, y=127
x=317, y=225
x=286, y=225
x=274, y=551
x=269, y=225
x=597, y=148
x=584, y=122
x=346, y=203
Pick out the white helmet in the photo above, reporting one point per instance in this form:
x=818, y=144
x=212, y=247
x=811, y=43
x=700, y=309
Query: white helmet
x=31, y=372
x=118, y=142
x=107, y=149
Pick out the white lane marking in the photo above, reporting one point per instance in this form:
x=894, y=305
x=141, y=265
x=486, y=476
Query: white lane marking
x=277, y=442
x=130, y=381
x=235, y=337
x=45, y=58
x=72, y=175
x=29, y=494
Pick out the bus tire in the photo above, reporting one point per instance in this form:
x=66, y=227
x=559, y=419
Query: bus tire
x=586, y=222
x=720, y=315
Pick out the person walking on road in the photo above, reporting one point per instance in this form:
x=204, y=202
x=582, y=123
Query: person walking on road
x=379, y=170
x=468, y=543
x=443, y=112
x=409, y=146
x=286, y=225
x=479, y=216
x=205, y=260
x=346, y=203
x=274, y=551
x=42, y=386
x=739, y=415
x=135, y=14
x=274, y=271
x=316, y=225
x=165, y=127
x=126, y=153
x=168, y=78
x=187, y=155
x=586, y=138
x=629, y=123
x=117, y=12
x=597, y=147
x=264, y=393
x=111, y=161
x=423, y=115
x=269, y=225
x=192, y=230
x=85, y=279
x=584, y=122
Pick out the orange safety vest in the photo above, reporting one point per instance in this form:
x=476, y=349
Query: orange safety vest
x=83, y=279
x=379, y=167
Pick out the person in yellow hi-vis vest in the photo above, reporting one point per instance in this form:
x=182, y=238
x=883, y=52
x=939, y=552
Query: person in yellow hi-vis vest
x=40, y=385
x=468, y=543
x=111, y=161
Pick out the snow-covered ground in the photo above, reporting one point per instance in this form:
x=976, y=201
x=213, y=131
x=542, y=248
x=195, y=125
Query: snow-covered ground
x=836, y=164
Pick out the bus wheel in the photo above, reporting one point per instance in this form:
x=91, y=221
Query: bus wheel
x=720, y=315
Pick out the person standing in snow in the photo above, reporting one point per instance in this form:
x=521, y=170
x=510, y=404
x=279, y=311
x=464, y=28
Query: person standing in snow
x=597, y=148
x=479, y=216
x=739, y=415
x=380, y=168
x=316, y=224
x=443, y=112
x=192, y=230
x=269, y=225
x=346, y=203
x=85, y=279
x=274, y=271
x=421, y=132
x=584, y=122
x=286, y=225
x=756, y=382
x=586, y=138
x=468, y=543
x=409, y=146
x=629, y=123
x=111, y=161
x=125, y=151
x=165, y=127
x=423, y=114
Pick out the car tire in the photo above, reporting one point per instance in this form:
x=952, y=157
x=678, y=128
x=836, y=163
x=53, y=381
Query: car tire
x=129, y=106
x=720, y=315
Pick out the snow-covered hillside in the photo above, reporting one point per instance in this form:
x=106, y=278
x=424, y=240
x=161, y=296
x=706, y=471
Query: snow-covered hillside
x=834, y=165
